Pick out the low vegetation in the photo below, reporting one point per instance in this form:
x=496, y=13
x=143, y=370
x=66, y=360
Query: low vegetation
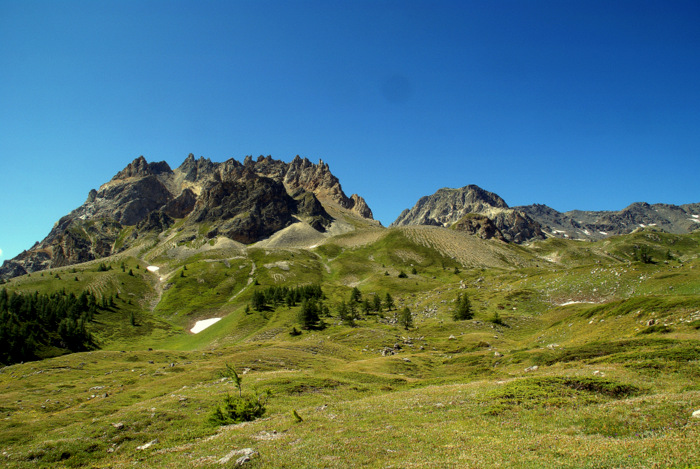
x=560, y=354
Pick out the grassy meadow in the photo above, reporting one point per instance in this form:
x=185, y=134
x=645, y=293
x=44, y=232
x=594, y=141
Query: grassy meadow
x=578, y=356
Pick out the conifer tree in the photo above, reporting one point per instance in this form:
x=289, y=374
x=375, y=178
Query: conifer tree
x=377, y=303
x=308, y=315
x=355, y=295
x=405, y=318
x=344, y=314
x=388, y=302
x=463, y=308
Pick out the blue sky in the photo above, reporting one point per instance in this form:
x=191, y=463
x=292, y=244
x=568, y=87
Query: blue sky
x=574, y=104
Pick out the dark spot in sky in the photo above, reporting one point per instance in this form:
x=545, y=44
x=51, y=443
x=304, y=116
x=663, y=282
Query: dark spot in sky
x=397, y=89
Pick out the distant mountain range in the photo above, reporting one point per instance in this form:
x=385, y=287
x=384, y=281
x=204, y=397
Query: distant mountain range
x=449, y=207
x=251, y=201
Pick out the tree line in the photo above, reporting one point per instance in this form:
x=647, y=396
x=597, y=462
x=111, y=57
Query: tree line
x=31, y=322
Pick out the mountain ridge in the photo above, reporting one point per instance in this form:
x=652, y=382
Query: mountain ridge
x=446, y=207
x=243, y=201
x=254, y=199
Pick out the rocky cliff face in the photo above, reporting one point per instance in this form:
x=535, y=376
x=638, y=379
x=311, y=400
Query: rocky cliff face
x=449, y=206
x=591, y=225
x=245, y=202
x=479, y=225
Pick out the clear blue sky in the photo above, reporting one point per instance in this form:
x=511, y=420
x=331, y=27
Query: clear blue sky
x=575, y=104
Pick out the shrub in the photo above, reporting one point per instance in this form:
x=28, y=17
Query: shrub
x=496, y=319
x=235, y=409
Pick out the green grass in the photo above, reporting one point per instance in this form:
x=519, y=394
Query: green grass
x=615, y=383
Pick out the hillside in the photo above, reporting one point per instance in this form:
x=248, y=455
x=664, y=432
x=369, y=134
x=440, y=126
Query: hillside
x=578, y=355
x=467, y=334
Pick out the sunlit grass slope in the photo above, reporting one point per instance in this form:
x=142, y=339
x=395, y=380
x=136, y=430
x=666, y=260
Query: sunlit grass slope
x=577, y=356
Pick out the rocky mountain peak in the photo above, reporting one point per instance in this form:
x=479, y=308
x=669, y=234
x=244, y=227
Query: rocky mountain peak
x=447, y=207
x=140, y=167
x=244, y=202
x=196, y=169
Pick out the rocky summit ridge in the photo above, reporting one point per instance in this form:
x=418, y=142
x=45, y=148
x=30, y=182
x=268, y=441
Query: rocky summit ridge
x=449, y=207
x=253, y=200
x=458, y=209
x=594, y=225
x=243, y=201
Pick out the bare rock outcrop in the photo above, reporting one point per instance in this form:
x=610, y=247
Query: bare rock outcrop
x=245, y=202
x=449, y=206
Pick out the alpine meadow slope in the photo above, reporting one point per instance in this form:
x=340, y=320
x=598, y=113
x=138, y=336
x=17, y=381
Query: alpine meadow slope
x=579, y=353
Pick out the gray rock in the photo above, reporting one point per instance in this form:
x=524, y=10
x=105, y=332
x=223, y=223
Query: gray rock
x=244, y=455
x=147, y=445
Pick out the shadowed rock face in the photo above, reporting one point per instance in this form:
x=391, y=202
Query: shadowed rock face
x=245, y=202
x=479, y=225
x=245, y=208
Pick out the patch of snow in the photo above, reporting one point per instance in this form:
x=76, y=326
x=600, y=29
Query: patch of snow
x=587, y=232
x=641, y=225
x=576, y=303
x=694, y=219
x=603, y=233
x=152, y=268
x=314, y=246
x=199, y=326
x=695, y=216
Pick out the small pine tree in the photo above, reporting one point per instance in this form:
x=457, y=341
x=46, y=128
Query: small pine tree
x=457, y=270
x=405, y=318
x=308, y=315
x=355, y=295
x=132, y=319
x=345, y=315
x=258, y=302
x=402, y=274
x=131, y=272
x=414, y=271
x=496, y=319
x=230, y=372
x=463, y=308
x=377, y=304
x=389, y=302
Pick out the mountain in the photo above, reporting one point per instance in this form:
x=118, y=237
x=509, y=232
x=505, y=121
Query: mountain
x=447, y=207
x=590, y=225
x=349, y=338
x=244, y=202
